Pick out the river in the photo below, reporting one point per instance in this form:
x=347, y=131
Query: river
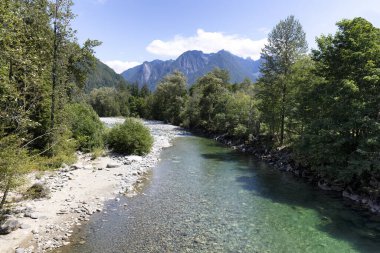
x=203, y=197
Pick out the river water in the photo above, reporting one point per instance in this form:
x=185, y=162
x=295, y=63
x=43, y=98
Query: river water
x=203, y=197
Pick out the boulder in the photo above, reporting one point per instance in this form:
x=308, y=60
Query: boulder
x=24, y=226
x=9, y=226
x=34, y=216
x=112, y=165
x=20, y=250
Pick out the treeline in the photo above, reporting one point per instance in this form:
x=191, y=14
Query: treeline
x=43, y=70
x=324, y=106
x=124, y=99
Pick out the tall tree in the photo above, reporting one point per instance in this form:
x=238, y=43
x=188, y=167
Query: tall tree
x=170, y=98
x=62, y=36
x=206, y=107
x=286, y=42
x=343, y=140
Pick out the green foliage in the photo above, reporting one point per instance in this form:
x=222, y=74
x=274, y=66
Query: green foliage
x=85, y=125
x=324, y=107
x=103, y=76
x=131, y=137
x=207, y=104
x=342, y=139
x=241, y=114
x=170, y=98
x=14, y=163
x=286, y=43
x=37, y=191
x=62, y=150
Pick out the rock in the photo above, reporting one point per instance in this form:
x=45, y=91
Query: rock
x=353, y=197
x=35, y=231
x=198, y=240
x=324, y=186
x=34, y=216
x=87, y=167
x=74, y=167
x=9, y=226
x=112, y=165
x=20, y=250
x=24, y=226
x=62, y=211
x=134, y=158
x=117, y=199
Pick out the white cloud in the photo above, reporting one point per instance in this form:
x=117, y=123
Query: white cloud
x=120, y=66
x=208, y=42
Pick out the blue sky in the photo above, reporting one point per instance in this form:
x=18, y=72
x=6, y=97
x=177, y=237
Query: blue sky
x=133, y=31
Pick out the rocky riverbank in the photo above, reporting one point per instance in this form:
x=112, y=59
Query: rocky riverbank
x=77, y=192
x=361, y=195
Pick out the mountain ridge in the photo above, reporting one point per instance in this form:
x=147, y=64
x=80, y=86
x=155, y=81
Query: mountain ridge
x=103, y=76
x=193, y=64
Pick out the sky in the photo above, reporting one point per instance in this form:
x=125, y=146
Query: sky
x=134, y=31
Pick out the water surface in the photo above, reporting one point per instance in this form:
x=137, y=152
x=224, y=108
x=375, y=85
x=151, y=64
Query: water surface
x=203, y=197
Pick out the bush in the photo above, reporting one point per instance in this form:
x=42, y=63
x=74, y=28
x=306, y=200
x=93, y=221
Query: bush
x=37, y=191
x=63, y=150
x=131, y=137
x=85, y=126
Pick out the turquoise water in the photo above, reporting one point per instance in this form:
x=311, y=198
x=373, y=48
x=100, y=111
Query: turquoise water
x=203, y=197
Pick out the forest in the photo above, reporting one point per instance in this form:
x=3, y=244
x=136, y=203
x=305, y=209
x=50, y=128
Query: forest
x=322, y=105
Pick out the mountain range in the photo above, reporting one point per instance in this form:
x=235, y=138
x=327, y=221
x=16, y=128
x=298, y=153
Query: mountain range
x=194, y=64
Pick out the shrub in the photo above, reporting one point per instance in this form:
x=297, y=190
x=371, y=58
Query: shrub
x=240, y=131
x=37, y=191
x=131, y=137
x=85, y=126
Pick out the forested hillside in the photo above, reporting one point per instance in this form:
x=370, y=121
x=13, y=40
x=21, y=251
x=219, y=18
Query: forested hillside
x=103, y=76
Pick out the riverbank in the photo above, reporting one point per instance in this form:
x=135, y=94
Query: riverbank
x=78, y=191
x=363, y=195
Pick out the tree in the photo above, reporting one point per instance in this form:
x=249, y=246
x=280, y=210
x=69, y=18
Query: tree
x=106, y=102
x=343, y=139
x=41, y=67
x=302, y=105
x=286, y=43
x=170, y=98
x=62, y=34
x=206, y=107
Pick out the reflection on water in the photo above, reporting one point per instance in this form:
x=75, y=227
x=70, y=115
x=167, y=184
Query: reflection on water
x=207, y=198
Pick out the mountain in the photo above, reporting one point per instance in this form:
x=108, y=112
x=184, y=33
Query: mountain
x=194, y=64
x=103, y=76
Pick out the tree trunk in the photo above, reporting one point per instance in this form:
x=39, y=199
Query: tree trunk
x=283, y=113
x=5, y=194
x=10, y=74
x=54, y=68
